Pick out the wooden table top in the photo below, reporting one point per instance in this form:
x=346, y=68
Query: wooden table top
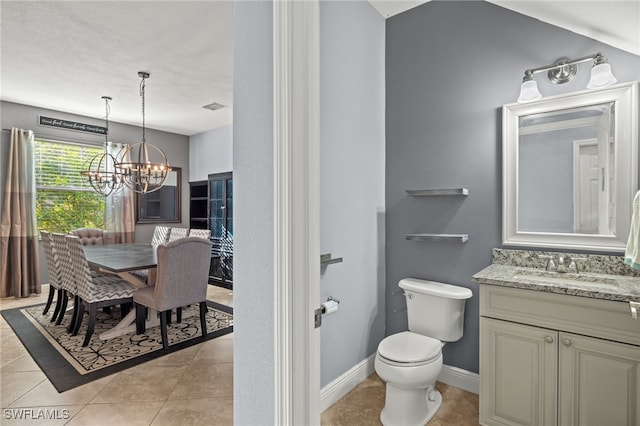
x=121, y=257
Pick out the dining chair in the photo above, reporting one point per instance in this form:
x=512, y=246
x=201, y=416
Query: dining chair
x=160, y=235
x=66, y=278
x=95, y=291
x=89, y=236
x=53, y=271
x=177, y=233
x=200, y=233
x=182, y=279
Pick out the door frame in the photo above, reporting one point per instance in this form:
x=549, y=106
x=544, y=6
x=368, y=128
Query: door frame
x=296, y=211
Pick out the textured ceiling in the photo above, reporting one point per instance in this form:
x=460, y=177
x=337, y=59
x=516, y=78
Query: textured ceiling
x=66, y=55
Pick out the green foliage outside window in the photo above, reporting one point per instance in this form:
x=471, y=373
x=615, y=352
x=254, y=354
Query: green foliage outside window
x=64, y=200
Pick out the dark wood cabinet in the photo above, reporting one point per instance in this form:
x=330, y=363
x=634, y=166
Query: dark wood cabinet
x=211, y=207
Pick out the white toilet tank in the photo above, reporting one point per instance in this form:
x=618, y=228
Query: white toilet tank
x=435, y=309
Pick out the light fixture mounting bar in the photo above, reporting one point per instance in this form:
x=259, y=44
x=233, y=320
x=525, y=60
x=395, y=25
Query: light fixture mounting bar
x=556, y=65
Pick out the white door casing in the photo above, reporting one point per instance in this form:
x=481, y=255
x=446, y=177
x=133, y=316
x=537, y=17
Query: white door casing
x=296, y=215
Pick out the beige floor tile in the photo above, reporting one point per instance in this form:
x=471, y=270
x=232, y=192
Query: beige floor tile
x=16, y=384
x=45, y=394
x=182, y=357
x=50, y=416
x=23, y=362
x=205, y=381
x=142, y=383
x=201, y=411
x=214, y=351
x=117, y=414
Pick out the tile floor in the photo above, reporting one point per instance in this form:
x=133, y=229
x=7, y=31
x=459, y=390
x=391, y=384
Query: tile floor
x=173, y=390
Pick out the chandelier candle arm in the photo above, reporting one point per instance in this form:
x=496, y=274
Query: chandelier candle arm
x=102, y=171
x=148, y=169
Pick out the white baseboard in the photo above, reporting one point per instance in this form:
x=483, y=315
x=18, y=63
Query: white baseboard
x=343, y=384
x=452, y=376
x=463, y=379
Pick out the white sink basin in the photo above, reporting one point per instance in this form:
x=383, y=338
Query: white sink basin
x=567, y=279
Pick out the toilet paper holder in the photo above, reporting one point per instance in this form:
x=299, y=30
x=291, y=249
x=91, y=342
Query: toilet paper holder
x=329, y=299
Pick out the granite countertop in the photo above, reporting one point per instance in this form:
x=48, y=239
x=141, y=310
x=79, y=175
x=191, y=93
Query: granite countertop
x=518, y=270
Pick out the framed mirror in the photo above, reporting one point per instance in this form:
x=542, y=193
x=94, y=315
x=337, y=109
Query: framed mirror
x=162, y=205
x=570, y=170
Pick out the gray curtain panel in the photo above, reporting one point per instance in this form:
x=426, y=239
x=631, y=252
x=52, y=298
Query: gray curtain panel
x=19, y=264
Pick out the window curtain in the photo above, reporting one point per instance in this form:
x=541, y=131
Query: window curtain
x=19, y=266
x=119, y=209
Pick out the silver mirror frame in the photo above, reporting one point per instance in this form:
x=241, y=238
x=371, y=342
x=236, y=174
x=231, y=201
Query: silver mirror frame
x=625, y=97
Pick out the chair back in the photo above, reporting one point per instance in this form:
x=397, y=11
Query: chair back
x=80, y=268
x=89, y=236
x=200, y=233
x=177, y=233
x=160, y=235
x=61, y=250
x=182, y=273
x=53, y=265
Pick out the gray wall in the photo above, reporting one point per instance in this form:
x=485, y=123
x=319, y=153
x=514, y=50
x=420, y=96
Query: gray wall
x=26, y=117
x=351, y=182
x=254, y=363
x=450, y=66
x=210, y=152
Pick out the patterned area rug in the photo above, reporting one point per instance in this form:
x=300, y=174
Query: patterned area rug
x=67, y=364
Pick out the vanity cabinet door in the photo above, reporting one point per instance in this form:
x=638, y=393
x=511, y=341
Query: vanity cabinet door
x=599, y=382
x=518, y=374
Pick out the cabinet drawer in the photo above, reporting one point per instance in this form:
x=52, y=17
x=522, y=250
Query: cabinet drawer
x=605, y=319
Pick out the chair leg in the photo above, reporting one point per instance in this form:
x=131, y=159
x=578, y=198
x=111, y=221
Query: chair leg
x=141, y=318
x=79, y=315
x=163, y=328
x=179, y=314
x=74, y=315
x=52, y=291
x=203, y=318
x=56, y=311
x=125, y=308
x=63, y=308
x=93, y=312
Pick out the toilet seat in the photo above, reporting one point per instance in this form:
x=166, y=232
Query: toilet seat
x=409, y=349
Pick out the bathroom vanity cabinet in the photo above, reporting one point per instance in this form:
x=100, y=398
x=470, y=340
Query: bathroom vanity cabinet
x=557, y=359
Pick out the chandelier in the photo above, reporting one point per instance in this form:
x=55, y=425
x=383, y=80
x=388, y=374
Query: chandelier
x=143, y=166
x=102, y=169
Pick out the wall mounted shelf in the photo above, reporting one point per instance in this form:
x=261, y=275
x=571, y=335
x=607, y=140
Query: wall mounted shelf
x=448, y=238
x=437, y=192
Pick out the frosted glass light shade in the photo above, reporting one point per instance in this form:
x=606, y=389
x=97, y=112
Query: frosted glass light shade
x=529, y=91
x=601, y=76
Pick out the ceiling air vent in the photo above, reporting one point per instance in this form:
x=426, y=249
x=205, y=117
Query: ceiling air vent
x=214, y=106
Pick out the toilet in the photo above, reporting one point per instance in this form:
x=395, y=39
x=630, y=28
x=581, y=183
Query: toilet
x=410, y=362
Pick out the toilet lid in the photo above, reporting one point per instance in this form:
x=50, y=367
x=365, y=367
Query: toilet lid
x=409, y=347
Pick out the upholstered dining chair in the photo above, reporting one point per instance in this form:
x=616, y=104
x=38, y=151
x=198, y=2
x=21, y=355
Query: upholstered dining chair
x=177, y=233
x=53, y=271
x=160, y=235
x=89, y=236
x=200, y=233
x=66, y=276
x=95, y=291
x=182, y=279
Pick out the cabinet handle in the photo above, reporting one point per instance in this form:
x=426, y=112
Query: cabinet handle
x=548, y=339
x=566, y=342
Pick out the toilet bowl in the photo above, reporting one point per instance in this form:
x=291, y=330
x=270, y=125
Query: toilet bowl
x=410, y=361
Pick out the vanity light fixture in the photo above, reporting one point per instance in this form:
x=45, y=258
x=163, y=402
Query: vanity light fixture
x=102, y=172
x=144, y=166
x=562, y=71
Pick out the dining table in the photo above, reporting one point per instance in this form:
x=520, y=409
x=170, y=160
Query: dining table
x=122, y=260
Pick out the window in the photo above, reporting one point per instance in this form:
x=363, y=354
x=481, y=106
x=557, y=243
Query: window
x=64, y=200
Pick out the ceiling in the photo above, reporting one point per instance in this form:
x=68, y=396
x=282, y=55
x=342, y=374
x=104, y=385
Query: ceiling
x=66, y=55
